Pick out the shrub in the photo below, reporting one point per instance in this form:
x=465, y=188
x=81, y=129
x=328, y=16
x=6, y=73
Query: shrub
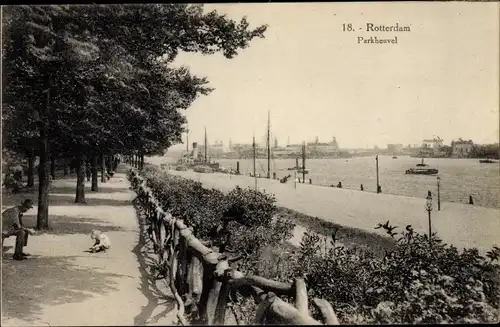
x=242, y=220
x=419, y=281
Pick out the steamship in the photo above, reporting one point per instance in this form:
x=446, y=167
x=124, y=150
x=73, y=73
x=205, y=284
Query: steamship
x=194, y=159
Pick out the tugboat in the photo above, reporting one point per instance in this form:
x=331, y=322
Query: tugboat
x=487, y=161
x=298, y=168
x=301, y=170
x=422, y=164
x=420, y=170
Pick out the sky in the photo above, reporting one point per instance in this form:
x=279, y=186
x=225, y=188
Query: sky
x=440, y=79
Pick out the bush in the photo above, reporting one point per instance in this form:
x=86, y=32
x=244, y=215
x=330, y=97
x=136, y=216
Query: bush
x=242, y=220
x=417, y=282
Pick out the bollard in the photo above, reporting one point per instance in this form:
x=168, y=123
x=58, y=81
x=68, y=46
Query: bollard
x=310, y=181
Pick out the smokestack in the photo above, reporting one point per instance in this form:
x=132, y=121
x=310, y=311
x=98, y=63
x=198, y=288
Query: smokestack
x=195, y=150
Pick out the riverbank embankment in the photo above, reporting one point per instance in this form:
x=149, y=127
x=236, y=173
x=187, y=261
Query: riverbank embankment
x=459, y=224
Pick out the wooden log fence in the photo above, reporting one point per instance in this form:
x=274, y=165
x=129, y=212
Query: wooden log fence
x=202, y=281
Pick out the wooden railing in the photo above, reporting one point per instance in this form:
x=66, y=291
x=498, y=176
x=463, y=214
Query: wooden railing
x=202, y=281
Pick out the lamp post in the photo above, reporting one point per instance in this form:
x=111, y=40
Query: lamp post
x=428, y=207
x=439, y=195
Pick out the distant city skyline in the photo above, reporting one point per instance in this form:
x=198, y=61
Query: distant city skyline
x=441, y=79
x=260, y=143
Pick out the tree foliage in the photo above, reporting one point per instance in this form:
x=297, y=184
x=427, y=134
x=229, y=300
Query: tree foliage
x=108, y=67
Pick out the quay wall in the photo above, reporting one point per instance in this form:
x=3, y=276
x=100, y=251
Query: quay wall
x=459, y=224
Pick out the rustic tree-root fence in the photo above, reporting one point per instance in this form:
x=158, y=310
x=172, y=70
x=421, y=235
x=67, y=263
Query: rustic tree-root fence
x=203, y=282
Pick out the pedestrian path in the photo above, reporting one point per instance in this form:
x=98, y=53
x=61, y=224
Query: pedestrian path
x=60, y=284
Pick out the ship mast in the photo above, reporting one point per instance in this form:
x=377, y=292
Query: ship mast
x=187, y=139
x=254, y=155
x=268, y=145
x=303, y=162
x=206, y=158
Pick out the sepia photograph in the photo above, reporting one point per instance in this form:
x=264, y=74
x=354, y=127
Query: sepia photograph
x=302, y=163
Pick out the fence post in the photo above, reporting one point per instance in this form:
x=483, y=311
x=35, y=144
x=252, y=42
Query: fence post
x=208, y=285
x=172, y=274
x=260, y=314
x=215, y=289
x=220, y=309
x=301, y=296
x=326, y=309
x=183, y=267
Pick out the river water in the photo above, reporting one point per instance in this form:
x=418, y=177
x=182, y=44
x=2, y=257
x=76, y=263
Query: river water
x=460, y=178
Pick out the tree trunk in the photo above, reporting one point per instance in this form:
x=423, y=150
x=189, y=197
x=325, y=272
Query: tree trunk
x=66, y=168
x=142, y=161
x=103, y=169
x=95, y=168
x=80, y=179
x=72, y=166
x=52, y=167
x=109, y=163
x=31, y=168
x=115, y=163
x=42, y=219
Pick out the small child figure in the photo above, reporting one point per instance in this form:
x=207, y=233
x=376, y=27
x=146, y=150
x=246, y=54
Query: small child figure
x=102, y=242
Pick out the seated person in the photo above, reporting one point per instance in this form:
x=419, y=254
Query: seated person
x=102, y=242
x=12, y=221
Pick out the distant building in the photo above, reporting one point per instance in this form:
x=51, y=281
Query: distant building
x=435, y=143
x=461, y=148
x=213, y=150
x=432, y=148
x=395, y=148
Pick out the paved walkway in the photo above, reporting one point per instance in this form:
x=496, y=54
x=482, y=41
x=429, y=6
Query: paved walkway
x=63, y=285
x=460, y=224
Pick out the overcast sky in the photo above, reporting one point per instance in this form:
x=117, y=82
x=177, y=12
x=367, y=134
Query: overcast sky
x=441, y=78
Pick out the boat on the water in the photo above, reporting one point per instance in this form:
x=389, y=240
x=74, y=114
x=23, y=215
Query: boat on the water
x=421, y=164
x=421, y=171
x=198, y=162
x=301, y=170
x=487, y=161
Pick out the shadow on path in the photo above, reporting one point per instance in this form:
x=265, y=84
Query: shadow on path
x=148, y=281
x=69, y=200
x=64, y=198
x=101, y=190
x=62, y=225
x=31, y=284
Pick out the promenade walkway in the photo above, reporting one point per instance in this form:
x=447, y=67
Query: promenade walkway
x=60, y=284
x=460, y=224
